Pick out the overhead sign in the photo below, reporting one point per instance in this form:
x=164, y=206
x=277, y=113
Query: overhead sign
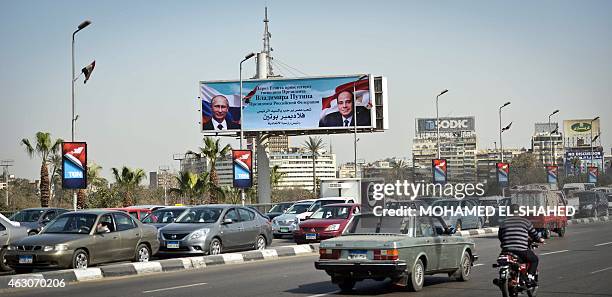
x=456, y=124
x=593, y=173
x=439, y=167
x=552, y=174
x=288, y=104
x=503, y=173
x=74, y=165
x=242, y=168
x=581, y=127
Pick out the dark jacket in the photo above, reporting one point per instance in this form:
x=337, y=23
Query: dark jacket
x=230, y=125
x=335, y=119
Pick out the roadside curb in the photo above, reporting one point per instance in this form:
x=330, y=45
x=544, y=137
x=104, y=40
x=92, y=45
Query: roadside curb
x=588, y=220
x=166, y=265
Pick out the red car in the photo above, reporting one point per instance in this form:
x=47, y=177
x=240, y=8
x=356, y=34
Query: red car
x=136, y=212
x=327, y=222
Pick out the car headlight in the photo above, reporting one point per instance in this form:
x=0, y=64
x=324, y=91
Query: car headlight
x=48, y=248
x=11, y=248
x=61, y=247
x=333, y=227
x=199, y=233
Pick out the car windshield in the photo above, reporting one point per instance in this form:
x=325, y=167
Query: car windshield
x=31, y=215
x=488, y=202
x=586, y=197
x=332, y=213
x=78, y=223
x=369, y=223
x=200, y=215
x=318, y=204
x=279, y=207
x=163, y=216
x=297, y=208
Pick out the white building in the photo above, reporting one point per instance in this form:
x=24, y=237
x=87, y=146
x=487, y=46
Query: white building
x=297, y=167
x=547, y=143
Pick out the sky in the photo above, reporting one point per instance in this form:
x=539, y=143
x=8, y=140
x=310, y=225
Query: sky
x=140, y=106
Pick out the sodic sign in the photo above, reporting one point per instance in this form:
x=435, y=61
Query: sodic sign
x=446, y=124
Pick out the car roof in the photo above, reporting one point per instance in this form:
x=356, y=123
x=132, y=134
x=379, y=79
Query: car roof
x=334, y=198
x=342, y=204
x=95, y=211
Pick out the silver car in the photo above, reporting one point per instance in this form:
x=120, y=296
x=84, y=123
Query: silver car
x=9, y=232
x=286, y=223
x=214, y=229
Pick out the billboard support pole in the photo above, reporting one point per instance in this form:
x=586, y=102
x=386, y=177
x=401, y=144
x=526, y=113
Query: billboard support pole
x=242, y=198
x=437, y=122
x=355, y=120
x=591, y=139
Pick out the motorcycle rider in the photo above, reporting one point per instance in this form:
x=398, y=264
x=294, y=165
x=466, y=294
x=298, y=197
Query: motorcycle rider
x=514, y=234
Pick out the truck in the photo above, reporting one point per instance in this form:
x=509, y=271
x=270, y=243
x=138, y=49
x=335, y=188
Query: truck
x=542, y=197
x=359, y=188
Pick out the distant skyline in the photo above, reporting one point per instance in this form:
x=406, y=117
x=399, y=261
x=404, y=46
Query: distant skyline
x=140, y=105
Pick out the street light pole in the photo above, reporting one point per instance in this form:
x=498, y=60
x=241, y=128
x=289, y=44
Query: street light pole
x=552, y=156
x=438, y=122
x=501, y=144
x=355, y=120
x=73, y=119
x=593, y=120
x=242, y=198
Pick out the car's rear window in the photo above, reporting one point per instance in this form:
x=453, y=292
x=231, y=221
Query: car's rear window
x=369, y=223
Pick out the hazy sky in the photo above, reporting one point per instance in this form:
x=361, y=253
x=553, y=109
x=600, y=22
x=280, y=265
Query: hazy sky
x=140, y=106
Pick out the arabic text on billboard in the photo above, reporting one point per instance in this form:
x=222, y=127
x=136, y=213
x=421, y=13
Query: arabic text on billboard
x=74, y=165
x=446, y=124
x=287, y=104
x=580, y=127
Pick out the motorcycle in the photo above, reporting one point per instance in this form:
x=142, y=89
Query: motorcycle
x=512, y=279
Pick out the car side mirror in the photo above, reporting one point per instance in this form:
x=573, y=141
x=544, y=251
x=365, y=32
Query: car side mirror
x=227, y=221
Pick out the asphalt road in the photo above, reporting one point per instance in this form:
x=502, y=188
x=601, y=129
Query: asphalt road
x=578, y=265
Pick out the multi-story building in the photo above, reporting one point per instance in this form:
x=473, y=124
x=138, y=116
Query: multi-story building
x=199, y=164
x=278, y=144
x=297, y=168
x=346, y=170
x=486, y=160
x=547, y=143
x=457, y=145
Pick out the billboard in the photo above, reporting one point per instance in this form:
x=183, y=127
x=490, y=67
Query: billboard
x=242, y=168
x=454, y=124
x=503, y=171
x=593, y=174
x=439, y=171
x=572, y=128
x=545, y=128
x=552, y=174
x=74, y=165
x=288, y=104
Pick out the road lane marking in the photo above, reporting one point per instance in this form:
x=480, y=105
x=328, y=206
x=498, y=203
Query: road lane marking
x=605, y=243
x=601, y=270
x=557, y=252
x=324, y=294
x=476, y=265
x=172, y=288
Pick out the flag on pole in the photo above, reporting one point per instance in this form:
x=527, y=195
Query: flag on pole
x=88, y=70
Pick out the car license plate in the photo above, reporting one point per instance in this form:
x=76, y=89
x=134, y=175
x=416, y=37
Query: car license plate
x=28, y=259
x=172, y=245
x=311, y=236
x=284, y=229
x=358, y=254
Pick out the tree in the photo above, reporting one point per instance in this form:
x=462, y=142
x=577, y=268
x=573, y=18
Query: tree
x=93, y=177
x=399, y=168
x=212, y=151
x=230, y=195
x=276, y=176
x=314, y=145
x=45, y=147
x=526, y=169
x=190, y=185
x=56, y=174
x=127, y=181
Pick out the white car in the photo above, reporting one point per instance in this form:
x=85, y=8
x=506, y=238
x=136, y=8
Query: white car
x=320, y=203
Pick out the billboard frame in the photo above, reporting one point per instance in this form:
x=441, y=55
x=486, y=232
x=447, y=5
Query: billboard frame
x=83, y=183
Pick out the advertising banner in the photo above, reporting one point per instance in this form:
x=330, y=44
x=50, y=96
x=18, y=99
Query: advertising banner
x=455, y=124
x=439, y=171
x=503, y=173
x=593, y=174
x=552, y=173
x=582, y=127
x=74, y=165
x=287, y=104
x=242, y=168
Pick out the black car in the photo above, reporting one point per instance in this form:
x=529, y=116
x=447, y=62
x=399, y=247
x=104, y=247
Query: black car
x=36, y=218
x=278, y=209
x=592, y=204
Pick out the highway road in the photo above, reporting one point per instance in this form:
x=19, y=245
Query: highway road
x=578, y=265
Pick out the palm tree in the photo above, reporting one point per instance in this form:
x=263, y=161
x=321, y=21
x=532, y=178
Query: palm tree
x=230, y=195
x=276, y=176
x=190, y=185
x=56, y=174
x=128, y=180
x=314, y=145
x=213, y=151
x=45, y=147
x=93, y=177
